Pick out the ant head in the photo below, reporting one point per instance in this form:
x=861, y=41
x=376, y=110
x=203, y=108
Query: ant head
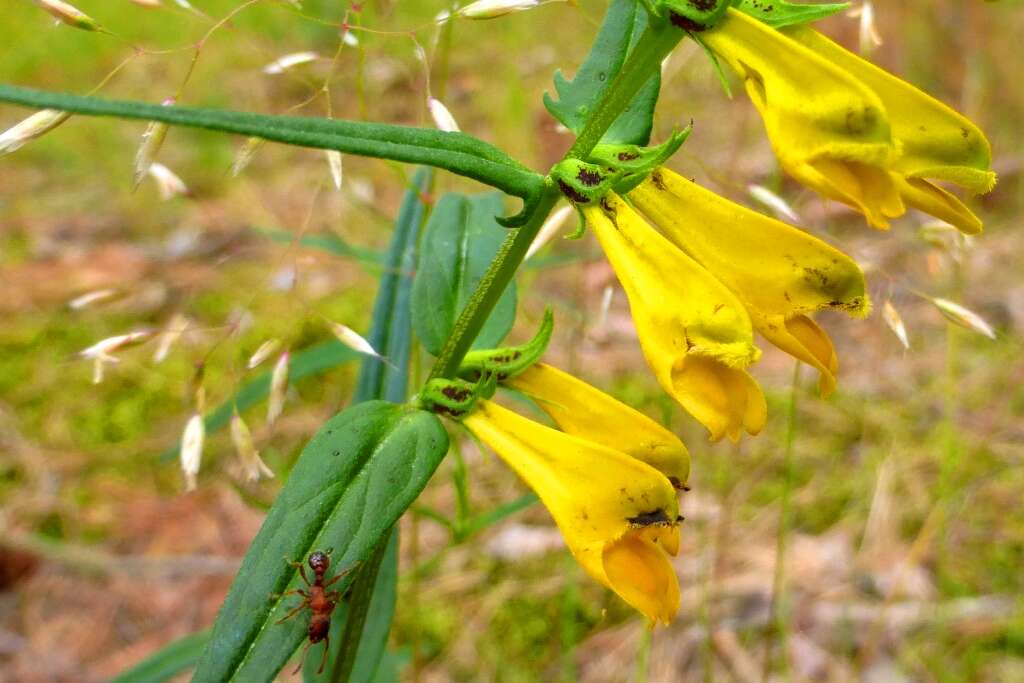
x=319, y=562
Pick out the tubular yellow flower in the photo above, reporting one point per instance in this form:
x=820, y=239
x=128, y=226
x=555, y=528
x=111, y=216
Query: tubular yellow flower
x=935, y=141
x=617, y=514
x=828, y=130
x=780, y=273
x=581, y=410
x=695, y=333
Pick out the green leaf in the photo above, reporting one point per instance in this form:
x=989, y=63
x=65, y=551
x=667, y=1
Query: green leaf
x=168, y=662
x=623, y=24
x=332, y=244
x=779, y=13
x=491, y=517
x=314, y=360
x=460, y=241
x=457, y=152
x=382, y=589
x=391, y=330
x=352, y=482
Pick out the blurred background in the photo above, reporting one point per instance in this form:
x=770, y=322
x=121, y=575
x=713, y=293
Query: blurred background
x=899, y=512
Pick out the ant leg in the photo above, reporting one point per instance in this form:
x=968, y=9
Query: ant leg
x=333, y=596
x=293, y=591
x=295, y=611
x=302, y=570
x=302, y=660
x=341, y=575
x=327, y=648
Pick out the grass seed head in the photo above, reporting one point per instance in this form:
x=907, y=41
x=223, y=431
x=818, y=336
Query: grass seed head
x=37, y=125
x=68, y=14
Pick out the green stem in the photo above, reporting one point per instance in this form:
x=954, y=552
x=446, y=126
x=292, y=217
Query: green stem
x=642, y=63
x=657, y=41
x=456, y=152
x=778, y=616
x=490, y=289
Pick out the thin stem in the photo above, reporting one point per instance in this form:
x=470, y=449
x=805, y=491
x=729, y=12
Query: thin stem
x=778, y=616
x=492, y=285
x=656, y=42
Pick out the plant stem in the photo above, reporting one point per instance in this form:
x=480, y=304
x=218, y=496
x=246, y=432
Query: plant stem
x=641, y=65
x=778, y=616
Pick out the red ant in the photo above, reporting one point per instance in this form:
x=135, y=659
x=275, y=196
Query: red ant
x=319, y=600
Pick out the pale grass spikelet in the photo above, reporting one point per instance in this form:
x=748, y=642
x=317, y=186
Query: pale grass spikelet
x=349, y=38
x=37, y=125
x=245, y=154
x=265, y=350
x=278, y=388
x=779, y=206
x=606, y=305
x=491, y=9
x=868, y=36
x=352, y=339
x=895, y=323
x=289, y=61
x=152, y=140
x=249, y=459
x=963, y=317
x=169, y=337
x=191, y=453
x=443, y=118
x=101, y=352
x=68, y=14
x=91, y=298
x=554, y=223
x=168, y=184
x=147, y=3
x=334, y=163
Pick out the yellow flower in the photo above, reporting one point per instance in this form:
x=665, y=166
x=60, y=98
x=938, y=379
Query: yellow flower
x=694, y=332
x=935, y=141
x=828, y=130
x=618, y=515
x=581, y=410
x=780, y=273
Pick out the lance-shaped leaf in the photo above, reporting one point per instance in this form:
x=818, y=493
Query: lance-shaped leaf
x=352, y=482
x=460, y=241
x=168, y=662
x=622, y=27
x=457, y=152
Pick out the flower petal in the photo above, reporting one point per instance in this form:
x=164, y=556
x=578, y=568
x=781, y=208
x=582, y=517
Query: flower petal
x=935, y=201
x=828, y=130
x=582, y=410
x=601, y=499
x=935, y=141
x=695, y=333
x=639, y=572
x=780, y=273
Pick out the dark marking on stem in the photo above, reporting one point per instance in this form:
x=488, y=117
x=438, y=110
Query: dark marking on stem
x=589, y=178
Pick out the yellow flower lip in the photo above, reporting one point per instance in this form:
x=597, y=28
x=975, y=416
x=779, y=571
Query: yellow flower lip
x=695, y=334
x=828, y=130
x=852, y=131
x=617, y=514
x=781, y=274
x=582, y=410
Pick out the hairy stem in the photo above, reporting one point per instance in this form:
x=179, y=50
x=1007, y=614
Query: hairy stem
x=642, y=63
